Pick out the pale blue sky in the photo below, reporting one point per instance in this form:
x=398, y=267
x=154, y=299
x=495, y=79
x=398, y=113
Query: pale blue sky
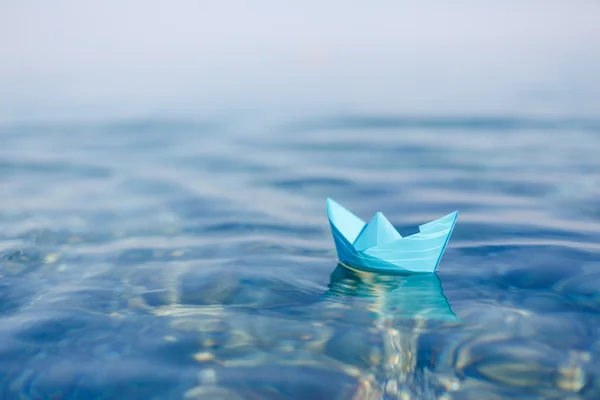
x=103, y=59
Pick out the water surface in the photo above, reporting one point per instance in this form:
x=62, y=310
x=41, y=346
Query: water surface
x=172, y=259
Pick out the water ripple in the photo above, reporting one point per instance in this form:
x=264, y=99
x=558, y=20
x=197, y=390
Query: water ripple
x=179, y=259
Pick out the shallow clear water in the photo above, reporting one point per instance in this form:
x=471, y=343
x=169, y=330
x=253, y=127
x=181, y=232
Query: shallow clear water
x=170, y=259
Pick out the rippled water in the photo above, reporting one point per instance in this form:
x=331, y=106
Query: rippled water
x=170, y=259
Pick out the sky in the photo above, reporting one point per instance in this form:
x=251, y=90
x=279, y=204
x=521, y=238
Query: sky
x=110, y=59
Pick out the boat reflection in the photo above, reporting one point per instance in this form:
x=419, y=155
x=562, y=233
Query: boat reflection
x=416, y=296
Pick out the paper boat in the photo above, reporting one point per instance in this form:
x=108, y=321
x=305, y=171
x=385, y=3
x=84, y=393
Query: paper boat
x=377, y=246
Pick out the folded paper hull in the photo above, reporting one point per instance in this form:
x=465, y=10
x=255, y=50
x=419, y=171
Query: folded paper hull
x=397, y=260
x=420, y=252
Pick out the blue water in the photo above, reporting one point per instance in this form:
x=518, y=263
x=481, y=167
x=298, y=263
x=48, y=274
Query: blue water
x=156, y=259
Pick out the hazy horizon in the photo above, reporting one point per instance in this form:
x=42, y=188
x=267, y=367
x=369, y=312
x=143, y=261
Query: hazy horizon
x=67, y=60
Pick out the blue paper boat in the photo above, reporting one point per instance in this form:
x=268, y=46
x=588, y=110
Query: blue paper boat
x=378, y=247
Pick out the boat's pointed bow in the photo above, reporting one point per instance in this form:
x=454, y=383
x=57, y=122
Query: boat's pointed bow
x=445, y=222
x=348, y=224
